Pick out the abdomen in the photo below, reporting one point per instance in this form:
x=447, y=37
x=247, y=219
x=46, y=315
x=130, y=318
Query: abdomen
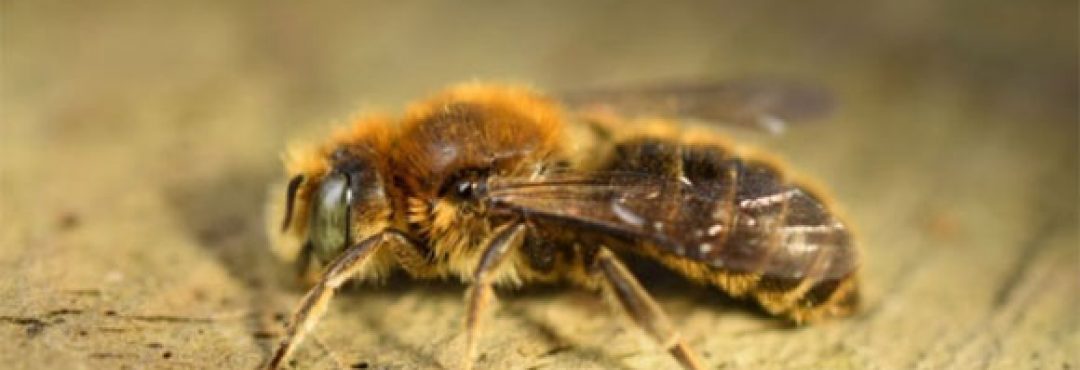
x=743, y=225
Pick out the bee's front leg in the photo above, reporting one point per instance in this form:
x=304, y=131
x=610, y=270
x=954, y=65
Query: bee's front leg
x=315, y=301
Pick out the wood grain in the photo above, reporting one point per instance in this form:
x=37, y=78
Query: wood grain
x=137, y=142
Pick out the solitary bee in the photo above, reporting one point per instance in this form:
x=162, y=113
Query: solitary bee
x=496, y=186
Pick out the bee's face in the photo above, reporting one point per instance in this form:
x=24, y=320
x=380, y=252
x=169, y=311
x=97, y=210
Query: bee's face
x=341, y=206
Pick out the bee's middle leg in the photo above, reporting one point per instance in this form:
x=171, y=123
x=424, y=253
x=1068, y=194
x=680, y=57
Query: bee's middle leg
x=413, y=257
x=505, y=239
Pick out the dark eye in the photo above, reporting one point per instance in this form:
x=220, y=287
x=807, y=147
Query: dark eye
x=465, y=184
x=330, y=216
x=464, y=189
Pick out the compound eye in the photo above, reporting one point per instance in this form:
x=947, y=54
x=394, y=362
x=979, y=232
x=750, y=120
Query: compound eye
x=330, y=216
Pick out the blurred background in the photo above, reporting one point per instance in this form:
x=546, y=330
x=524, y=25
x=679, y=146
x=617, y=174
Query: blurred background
x=137, y=141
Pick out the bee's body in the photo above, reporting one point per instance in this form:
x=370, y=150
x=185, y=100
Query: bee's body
x=483, y=184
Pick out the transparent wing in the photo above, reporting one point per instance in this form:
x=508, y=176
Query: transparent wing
x=759, y=103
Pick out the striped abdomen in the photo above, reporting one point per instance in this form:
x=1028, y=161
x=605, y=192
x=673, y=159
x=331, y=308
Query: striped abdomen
x=741, y=225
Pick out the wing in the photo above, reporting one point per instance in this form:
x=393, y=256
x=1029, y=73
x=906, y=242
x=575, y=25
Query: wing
x=769, y=104
x=754, y=225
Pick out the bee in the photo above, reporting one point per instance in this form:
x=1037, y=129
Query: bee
x=499, y=186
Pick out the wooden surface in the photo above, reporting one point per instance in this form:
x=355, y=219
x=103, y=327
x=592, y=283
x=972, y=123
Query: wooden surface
x=138, y=142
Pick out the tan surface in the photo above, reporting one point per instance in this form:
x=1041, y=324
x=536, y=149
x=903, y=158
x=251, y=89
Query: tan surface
x=136, y=143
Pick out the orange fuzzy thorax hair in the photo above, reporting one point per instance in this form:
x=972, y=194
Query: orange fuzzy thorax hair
x=475, y=126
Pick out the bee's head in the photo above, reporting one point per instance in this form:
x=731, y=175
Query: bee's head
x=331, y=209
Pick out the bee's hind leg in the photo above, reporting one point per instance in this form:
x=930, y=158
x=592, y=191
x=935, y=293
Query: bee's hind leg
x=505, y=239
x=314, y=304
x=645, y=312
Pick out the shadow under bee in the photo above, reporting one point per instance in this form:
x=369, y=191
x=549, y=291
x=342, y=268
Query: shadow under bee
x=680, y=295
x=224, y=214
